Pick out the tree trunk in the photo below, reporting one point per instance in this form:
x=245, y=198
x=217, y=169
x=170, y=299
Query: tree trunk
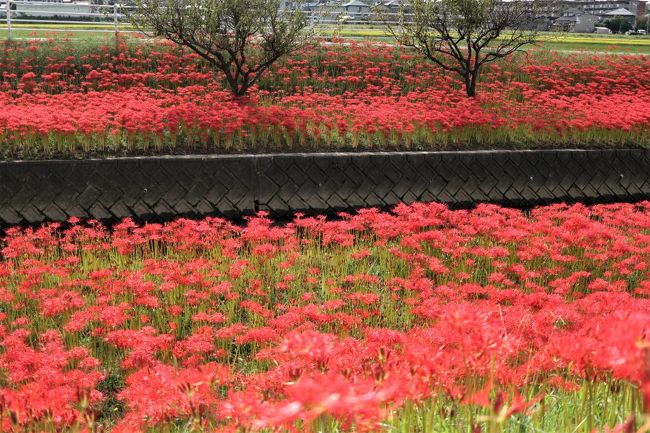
x=237, y=88
x=471, y=89
x=470, y=83
x=239, y=91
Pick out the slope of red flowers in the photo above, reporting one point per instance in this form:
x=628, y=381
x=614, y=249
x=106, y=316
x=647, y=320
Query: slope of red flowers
x=64, y=100
x=219, y=327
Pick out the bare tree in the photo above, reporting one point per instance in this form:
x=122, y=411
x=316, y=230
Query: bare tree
x=241, y=38
x=462, y=35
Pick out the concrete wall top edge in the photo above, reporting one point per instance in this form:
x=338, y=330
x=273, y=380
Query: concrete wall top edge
x=245, y=156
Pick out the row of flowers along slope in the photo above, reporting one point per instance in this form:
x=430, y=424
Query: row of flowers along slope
x=65, y=100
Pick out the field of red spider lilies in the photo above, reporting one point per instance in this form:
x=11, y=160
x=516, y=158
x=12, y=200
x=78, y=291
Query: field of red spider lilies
x=61, y=99
x=419, y=320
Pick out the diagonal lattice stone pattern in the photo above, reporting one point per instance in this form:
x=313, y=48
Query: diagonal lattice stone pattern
x=160, y=188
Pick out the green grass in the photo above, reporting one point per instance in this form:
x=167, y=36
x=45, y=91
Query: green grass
x=74, y=34
x=548, y=41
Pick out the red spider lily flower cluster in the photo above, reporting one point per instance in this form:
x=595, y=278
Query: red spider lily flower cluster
x=264, y=327
x=62, y=100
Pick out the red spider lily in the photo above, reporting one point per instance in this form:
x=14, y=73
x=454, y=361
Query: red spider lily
x=346, y=97
x=495, y=310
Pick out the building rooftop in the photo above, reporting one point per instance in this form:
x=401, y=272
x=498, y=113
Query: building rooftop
x=567, y=19
x=396, y=3
x=620, y=12
x=354, y=3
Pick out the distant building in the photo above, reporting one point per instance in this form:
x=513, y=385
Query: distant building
x=576, y=21
x=582, y=15
x=394, y=6
x=601, y=7
x=56, y=10
x=642, y=9
x=621, y=13
x=356, y=7
x=311, y=6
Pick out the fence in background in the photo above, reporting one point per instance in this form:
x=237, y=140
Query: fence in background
x=63, y=17
x=43, y=16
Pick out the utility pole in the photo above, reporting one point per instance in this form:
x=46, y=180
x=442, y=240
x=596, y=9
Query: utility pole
x=115, y=27
x=8, y=5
